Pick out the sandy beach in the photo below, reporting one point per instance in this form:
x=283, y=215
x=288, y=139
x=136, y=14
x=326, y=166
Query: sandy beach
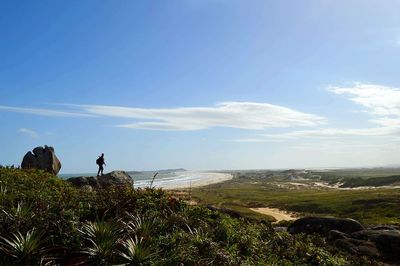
x=278, y=214
x=186, y=179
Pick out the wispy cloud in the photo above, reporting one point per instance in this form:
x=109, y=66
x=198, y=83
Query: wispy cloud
x=382, y=103
x=29, y=132
x=244, y=115
x=43, y=112
x=338, y=132
x=376, y=99
x=325, y=133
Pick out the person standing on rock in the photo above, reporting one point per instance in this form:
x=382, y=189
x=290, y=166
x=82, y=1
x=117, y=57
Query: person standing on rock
x=100, y=162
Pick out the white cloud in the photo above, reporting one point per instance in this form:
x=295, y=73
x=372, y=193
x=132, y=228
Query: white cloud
x=376, y=99
x=382, y=103
x=386, y=121
x=339, y=132
x=326, y=133
x=258, y=139
x=43, y=112
x=29, y=132
x=244, y=115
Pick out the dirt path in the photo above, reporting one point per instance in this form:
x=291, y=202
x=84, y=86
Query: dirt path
x=276, y=213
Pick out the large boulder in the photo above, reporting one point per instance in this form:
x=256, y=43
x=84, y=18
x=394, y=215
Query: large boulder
x=358, y=247
x=42, y=158
x=382, y=244
x=114, y=178
x=387, y=241
x=323, y=225
x=335, y=235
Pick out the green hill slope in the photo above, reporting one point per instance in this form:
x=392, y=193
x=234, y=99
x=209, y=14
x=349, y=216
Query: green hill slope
x=45, y=220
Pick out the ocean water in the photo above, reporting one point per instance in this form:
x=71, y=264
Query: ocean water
x=181, y=179
x=172, y=180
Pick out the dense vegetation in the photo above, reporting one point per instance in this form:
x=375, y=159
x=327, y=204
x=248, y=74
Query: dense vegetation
x=361, y=177
x=371, y=182
x=247, y=190
x=45, y=221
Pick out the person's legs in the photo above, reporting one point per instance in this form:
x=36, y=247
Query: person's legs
x=98, y=172
x=101, y=169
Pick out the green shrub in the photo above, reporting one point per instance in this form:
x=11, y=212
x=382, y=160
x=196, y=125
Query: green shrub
x=135, y=226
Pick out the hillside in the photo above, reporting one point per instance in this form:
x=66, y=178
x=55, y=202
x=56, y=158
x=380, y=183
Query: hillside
x=393, y=180
x=46, y=221
x=250, y=189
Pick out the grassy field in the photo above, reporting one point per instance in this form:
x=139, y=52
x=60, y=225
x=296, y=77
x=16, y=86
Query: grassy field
x=255, y=189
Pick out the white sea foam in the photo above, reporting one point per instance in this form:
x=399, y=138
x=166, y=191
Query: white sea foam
x=182, y=179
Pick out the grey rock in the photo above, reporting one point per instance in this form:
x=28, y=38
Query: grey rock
x=114, y=178
x=359, y=247
x=87, y=188
x=387, y=241
x=322, y=225
x=385, y=227
x=381, y=242
x=43, y=158
x=335, y=235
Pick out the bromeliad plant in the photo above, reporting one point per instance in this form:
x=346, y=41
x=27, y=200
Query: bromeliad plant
x=21, y=248
x=103, y=238
x=19, y=214
x=143, y=227
x=136, y=252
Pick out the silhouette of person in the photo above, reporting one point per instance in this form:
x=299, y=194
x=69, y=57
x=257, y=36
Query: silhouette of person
x=100, y=162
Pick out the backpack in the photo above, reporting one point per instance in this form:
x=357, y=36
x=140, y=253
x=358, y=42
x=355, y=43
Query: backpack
x=98, y=161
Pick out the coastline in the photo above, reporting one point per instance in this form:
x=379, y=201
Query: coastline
x=187, y=179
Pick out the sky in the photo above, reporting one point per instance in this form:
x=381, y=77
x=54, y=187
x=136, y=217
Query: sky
x=201, y=84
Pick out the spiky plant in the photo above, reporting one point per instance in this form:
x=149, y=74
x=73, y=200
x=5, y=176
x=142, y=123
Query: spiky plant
x=3, y=190
x=135, y=252
x=24, y=249
x=103, y=238
x=20, y=213
x=140, y=226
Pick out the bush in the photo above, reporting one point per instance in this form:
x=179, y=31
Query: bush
x=54, y=222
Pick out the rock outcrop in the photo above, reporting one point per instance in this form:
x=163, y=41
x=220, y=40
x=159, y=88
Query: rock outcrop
x=42, y=158
x=322, y=225
x=379, y=242
x=387, y=241
x=114, y=178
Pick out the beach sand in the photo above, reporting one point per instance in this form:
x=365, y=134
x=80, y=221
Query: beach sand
x=278, y=214
x=189, y=179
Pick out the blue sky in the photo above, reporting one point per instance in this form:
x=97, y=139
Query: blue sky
x=207, y=84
